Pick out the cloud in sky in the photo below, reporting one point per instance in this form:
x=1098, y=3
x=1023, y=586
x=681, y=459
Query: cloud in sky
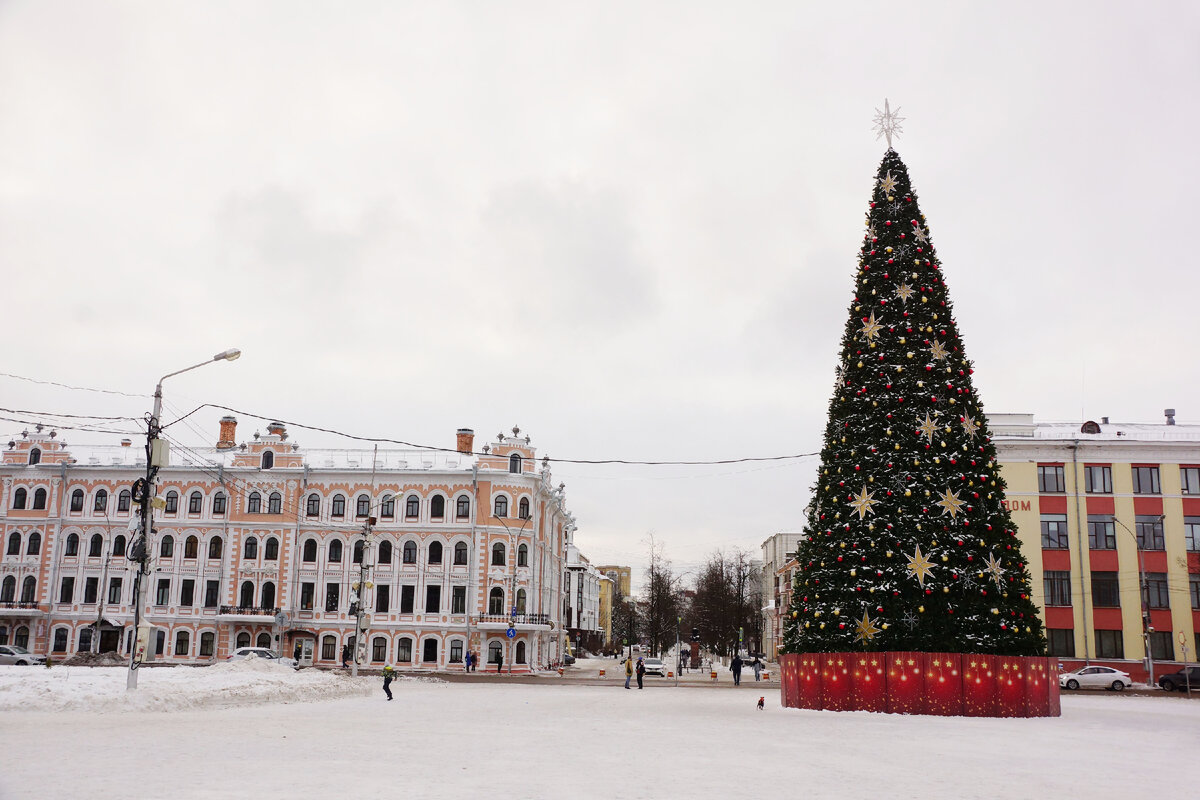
x=630, y=229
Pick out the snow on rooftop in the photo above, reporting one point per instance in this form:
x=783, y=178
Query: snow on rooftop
x=1026, y=427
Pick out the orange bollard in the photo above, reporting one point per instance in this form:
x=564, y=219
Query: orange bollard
x=601, y=673
x=712, y=675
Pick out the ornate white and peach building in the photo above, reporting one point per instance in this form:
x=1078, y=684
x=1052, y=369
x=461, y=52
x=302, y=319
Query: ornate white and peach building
x=262, y=544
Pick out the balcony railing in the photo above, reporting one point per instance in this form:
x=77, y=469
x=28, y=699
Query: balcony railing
x=519, y=619
x=260, y=611
x=18, y=604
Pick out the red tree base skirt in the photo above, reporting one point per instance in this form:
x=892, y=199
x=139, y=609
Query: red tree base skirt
x=940, y=684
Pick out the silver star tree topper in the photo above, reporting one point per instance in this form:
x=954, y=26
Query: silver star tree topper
x=887, y=123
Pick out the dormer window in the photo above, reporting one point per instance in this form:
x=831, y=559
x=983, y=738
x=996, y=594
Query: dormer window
x=268, y=459
x=35, y=456
x=514, y=463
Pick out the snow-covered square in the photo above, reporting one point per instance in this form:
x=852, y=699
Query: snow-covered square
x=243, y=730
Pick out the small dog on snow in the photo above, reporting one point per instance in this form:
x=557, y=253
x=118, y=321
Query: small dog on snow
x=760, y=703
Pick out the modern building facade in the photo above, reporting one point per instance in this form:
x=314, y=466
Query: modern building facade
x=1109, y=519
x=778, y=573
x=581, y=603
x=265, y=544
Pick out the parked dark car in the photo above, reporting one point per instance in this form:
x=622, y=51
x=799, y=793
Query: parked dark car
x=1180, y=680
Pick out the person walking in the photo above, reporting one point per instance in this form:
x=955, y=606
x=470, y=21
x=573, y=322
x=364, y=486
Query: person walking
x=641, y=670
x=467, y=662
x=499, y=661
x=388, y=674
x=345, y=656
x=628, y=670
x=736, y=667
x=757, y=669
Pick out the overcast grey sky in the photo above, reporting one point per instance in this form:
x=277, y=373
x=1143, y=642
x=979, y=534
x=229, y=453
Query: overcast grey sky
x=630, y=228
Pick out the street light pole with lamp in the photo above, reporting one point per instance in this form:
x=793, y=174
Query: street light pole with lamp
x=1144, y=591
x=145, y=495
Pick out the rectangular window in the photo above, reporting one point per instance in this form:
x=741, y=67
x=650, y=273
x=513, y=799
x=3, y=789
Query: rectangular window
x=207, y=640
x=1097, y=480
x=181, y=643
x=91, y=588
x=1061, y=642
x=1057, y=584
x=1106, y=590
x=458, y=600
x=67, y=591
x=1051, y=478
x=433, y=599
x=1194, y=589
x=307, y=592
x=456, y=651
x=219, y=505
x=1149, y=531
x=114, y=591
x=331, y=596
x=379, y=649
x=1145, y=480
x=1102, y=532
x=404, y=650
x=1191, y=534
x=195, y=501
x=211, y=594
x=1162, y=645
x=408, y=594
x=1189, y=480
x=328, y=648
x=1109, y=644
x=1054, y=532
x=187, y=592
x=1156, y=590
x=383, y=600
x=162, y=595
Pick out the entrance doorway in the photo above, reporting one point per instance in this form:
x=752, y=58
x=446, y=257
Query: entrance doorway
x=110, y=640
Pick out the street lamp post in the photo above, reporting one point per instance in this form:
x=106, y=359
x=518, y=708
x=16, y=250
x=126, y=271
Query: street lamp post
x=1144, y=591
x=145, y=495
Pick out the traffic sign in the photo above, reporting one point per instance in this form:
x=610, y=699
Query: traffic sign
x=510, y=632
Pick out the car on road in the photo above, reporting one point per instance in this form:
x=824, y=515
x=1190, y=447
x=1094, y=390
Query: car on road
x=568, y=659
x=1095, y=677
x=655, y=666
x=1181, y=680
x=261, y=652
x=11, y=654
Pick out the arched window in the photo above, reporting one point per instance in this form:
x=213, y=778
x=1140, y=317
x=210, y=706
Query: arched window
x=207, y=644
x=520, y=652
x=8, y=593
x=19, y=497
x=437, y=507
x=35, y=544
x=523, y=508
x=14, y=544
x=28, y=589
x=272, y=549
x=387, y=509
x=435, y=552
x=404, y=650
x=254, y=503
x=101, y=503
x=520, y=601
x=214, y=547
x=72, y=547
x=195, y=503
x=191, y=547
x=39, y=499
x=498, y=554
x=494, y=652
x=246, y=600
x=514, y=463
x=310, y=551
x=335, y=551
x=172, y=502
x=96, y=546
x=496, y=601
x=462, y=508
x=379, y=649
x=77, y=501
x=328, y=648
x=460, y=554
x=412, y=506
x=268, y=459
x=35, y=456
x=166, y=548
x=501, y=506
x=275, y=503
x=358, y=552
x=182, y=643
x=60, y=640
x=264, y=640
x=243, y=639
x=410, y=553
x=314, y=505
x=21, y=637
x=268, y=595
x=250, y=548
x=429, y=651
x=523, y=555
x=219, y=504
x=362, y=506
x=339, y=505
x=119, y=545
x=385, y=552
x=124, y=499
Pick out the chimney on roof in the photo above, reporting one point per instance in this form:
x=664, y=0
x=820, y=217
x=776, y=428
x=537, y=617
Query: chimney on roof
x=1104, y=420
x=227, y=439
x=466, y=440
x=126, y=442
x=1170, y=414
x=277, y=429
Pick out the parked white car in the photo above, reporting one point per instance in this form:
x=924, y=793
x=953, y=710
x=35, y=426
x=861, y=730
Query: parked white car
x=260, y=652
x=11, y=654
x=655, y=666
x=1095, y=677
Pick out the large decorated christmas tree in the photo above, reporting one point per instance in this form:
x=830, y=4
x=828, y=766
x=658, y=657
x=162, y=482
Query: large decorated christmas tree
x=907, y=544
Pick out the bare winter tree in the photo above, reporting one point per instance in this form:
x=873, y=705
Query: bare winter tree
x=728, y=601
x=660, y=600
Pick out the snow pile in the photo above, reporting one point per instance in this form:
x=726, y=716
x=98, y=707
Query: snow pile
x=233, y=683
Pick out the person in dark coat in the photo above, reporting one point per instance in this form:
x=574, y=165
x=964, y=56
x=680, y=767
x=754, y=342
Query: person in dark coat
x=467, y=662
x=628, y=671
x=499, y=662
x=641, y=670
x=345, y=656
x=388, y=674
x=736, y=667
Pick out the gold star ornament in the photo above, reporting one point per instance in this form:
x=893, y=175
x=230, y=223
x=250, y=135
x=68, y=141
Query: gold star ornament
x=919, y=566
x=920, y=234
x=865, y=630
x=888, y=184
x=871, y=328
x=904, y=291
x=862, y=503
x=993, y=568
x=970, y=426
x=950, y=504
x=938, y=350
x=927, y=427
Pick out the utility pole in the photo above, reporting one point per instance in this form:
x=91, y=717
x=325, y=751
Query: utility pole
x=363, y=567
x=678, y=653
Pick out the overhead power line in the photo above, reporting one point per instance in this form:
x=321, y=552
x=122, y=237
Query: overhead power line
x=68, y=386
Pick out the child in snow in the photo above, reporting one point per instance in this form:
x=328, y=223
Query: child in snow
x=388, y=674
